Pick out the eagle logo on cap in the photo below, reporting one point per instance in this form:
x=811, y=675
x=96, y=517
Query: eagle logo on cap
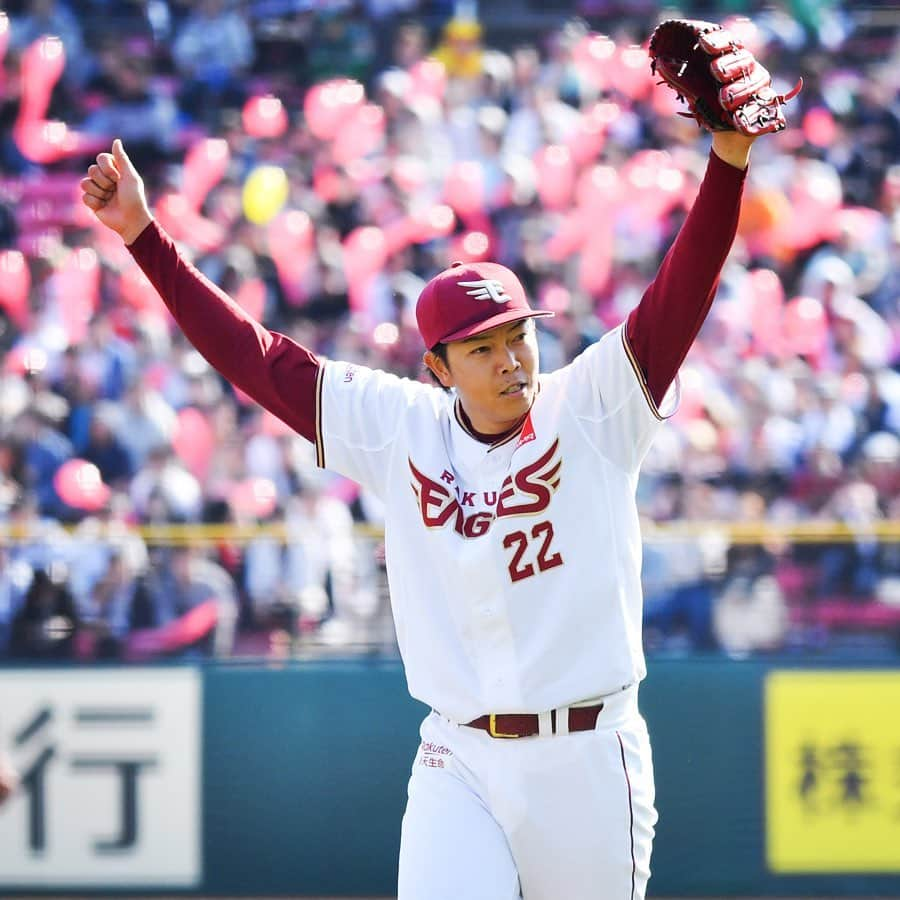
x=488, y=289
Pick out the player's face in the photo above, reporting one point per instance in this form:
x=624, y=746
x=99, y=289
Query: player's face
x=495, y=375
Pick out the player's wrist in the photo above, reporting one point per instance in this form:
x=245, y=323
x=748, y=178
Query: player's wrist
x=733, y=148
x=135, y=228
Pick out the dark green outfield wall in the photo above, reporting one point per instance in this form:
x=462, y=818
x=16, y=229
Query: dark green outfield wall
x=306, y=768
x=303, y=768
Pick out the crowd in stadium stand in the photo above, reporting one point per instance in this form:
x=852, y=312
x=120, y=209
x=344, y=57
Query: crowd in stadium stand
x=321, y=160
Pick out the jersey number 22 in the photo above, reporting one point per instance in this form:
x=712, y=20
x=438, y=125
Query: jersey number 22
x=542, y=536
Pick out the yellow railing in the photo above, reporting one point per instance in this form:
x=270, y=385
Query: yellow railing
x=887, y=531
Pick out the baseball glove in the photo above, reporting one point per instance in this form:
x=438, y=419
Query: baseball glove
x=724, y=86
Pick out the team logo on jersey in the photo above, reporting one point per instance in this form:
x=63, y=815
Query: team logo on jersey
x=527, y=492
x=527, y=434
x=488, y=289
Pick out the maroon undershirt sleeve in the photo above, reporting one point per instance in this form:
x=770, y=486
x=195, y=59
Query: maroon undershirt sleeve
x=662, y=327
x=275, y=371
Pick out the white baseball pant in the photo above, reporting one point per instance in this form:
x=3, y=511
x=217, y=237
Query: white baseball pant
x=540, y=818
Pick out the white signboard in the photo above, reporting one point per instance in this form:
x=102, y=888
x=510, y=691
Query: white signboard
x=110, y=767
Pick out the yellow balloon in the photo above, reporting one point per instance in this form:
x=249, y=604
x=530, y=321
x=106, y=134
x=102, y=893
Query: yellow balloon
x=265, y=193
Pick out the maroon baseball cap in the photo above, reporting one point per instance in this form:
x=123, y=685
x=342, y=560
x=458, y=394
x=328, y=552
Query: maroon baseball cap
x=469, y=298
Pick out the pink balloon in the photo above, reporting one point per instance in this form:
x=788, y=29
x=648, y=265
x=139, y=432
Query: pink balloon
x=399, y=234
x=136, y=290
x=464, y=188
x=194, y=440
x=434, y=222
x=205, y=165
x=472, y=246
x=264, y=117
x=78, y=484
x=251, y=296
x=630, y=72
x=25, y=360
x=555, y=176
x=4, y=43
x=692, y=400
x=665, y=101
x=15, y=284
x=556, y=297
x=4, y=34
x=77, y=283
x=145, y=643
x=652, y=184
x=409, y=173
x=254, y=498
x=43, y=142
x=178, y=217
x=42, y=65
x=586, y=142
x=366, y=247
x=599, y=190
x=819, y=127
x=569, y=235
x=361, y=134
x=595, y=265
x=593, y=56
x=747, y=32
x=429, y=78
x=365, y=253
x=328, y=105
x=291, y=239
x=862, y=222
x=290, y=234
x=272, y=426
x=805, y=326
x=766, y=310
x=327, y=183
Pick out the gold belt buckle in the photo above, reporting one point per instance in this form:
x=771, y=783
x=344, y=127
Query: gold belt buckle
x=492, y=728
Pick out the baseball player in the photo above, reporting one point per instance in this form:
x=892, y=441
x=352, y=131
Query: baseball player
x=512, y=540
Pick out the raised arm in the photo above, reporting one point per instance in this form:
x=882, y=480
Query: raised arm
x=662, y=327
x=275, y=371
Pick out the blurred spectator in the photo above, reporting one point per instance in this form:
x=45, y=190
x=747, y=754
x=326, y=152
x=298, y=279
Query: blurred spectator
x=105, y=450
x=522, y=146
x=50, y=17
x=164, y=490
x=108, y=613
x=212, y=51
x=309, y=577
x=186, y=581
x=46, y=625
x=460, y=48
x=44, y=447
x=342, y=45
x=134, y=106
x=751, y=616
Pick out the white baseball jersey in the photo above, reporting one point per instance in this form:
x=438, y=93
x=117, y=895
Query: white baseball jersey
x=514, y=568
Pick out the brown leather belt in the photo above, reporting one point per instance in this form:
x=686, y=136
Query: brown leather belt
x=517, y=725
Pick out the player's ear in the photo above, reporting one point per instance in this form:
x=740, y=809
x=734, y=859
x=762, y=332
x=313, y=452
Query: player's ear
x=438, y=367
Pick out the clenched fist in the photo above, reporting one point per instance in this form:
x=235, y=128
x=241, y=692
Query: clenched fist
x=114, y=190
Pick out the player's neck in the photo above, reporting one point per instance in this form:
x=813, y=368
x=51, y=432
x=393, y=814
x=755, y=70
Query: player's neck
x=491, y=436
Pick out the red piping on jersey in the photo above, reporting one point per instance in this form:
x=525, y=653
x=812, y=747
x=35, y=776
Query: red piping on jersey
x=639, y=374
x=630, y=812
x=320, y=437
